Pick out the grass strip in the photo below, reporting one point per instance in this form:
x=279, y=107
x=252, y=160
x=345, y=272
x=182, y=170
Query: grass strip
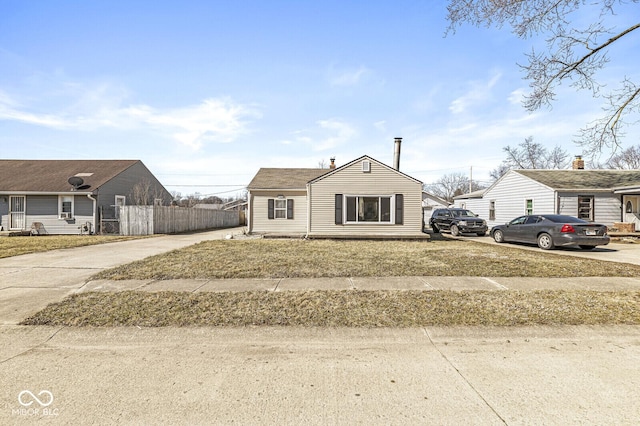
x=346, y=308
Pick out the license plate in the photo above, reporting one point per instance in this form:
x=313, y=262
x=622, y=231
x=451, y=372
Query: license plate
x=591, y=232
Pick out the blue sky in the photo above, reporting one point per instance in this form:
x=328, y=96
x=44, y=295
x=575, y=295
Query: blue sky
x=207, y=92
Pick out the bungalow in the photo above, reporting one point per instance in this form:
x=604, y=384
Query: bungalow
x=72, y=196
x=361, y=199
x=604, y=196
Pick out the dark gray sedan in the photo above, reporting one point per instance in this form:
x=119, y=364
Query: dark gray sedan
x=551, y=230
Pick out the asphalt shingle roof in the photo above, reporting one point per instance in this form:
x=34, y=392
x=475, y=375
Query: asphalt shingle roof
x=584, y=179
x=278, y=178
x=53, y=175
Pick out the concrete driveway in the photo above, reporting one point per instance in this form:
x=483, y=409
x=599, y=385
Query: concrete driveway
x=613, y=252
x=270, y=375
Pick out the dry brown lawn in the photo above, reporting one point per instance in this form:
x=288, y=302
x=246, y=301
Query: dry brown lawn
x=329, y=258
x=15, y=246
x=347, y=308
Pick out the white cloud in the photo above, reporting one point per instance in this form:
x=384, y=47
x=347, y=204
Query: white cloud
x=212, y=120
x=480, y=91
x=348, y=77
x=327, y=134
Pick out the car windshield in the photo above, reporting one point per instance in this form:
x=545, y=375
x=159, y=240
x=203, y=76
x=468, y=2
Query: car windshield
x=463, y=213
x=564, y=219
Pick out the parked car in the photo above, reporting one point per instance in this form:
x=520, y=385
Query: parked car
x=551, y=230
x=457, y=221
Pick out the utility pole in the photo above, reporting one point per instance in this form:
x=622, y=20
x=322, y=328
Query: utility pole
x=470, y=178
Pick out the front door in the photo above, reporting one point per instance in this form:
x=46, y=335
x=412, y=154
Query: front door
x=17, y=212
x=631, y=205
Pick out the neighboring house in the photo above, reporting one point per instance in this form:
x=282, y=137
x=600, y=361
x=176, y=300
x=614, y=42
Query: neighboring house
x=431, y=202
x=72, y=196
x=604, y=196
x=363, y=198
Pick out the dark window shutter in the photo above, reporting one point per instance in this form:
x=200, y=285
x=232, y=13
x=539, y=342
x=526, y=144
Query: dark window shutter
x=338, y=209
x=289, y=209
x=399, y=209
x=271, y=214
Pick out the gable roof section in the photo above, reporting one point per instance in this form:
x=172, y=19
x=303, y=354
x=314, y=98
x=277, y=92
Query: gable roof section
x=52, y=176
x=277, y=178
x=364, y=157
x=584, y=179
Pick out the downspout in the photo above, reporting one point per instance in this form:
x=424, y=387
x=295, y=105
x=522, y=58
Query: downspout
x=308, y=210
x=95, y=203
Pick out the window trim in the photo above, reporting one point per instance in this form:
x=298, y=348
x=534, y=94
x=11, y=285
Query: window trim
x=528, y=210
x=492, y=209
x=288, y=208
x=592, y=207
x=62, y=199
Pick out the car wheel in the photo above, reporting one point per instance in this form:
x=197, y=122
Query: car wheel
x=498, y=236
x=435, y=228
x=545, y=242
x=455, y=231
x=587, y=247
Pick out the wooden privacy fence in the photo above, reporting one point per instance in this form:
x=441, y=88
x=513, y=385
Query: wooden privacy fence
x=148, y=220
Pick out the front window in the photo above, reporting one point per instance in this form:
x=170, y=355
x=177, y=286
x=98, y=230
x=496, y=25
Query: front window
x=492, y=210
x=280, y=209
x=65, y=206
x=368, y=209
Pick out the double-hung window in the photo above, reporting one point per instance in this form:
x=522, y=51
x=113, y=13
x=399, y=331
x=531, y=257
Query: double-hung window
x=65, y=206
x=528, y=207
x=280, y=208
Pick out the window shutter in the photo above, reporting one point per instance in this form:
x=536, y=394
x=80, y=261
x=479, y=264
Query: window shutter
x=399, y=209
x=271, y=213
x=338, y=209
x=289, y=209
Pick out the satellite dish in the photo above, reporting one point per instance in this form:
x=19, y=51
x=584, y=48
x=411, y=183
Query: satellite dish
x=76, y=181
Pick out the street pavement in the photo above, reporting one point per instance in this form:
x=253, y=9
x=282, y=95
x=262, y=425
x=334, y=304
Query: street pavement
x=271, y=375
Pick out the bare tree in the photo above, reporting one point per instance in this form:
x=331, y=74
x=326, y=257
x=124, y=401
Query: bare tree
x=573, y=55
x=144, y=193
x=531, y=155
x=452, y=185
x=322, y=164
x=625, y=159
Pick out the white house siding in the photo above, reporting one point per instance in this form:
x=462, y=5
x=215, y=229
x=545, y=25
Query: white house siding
x=607, y=207
x=479, y=206
x=259, y=221
x=510, y=194
x=351, y=180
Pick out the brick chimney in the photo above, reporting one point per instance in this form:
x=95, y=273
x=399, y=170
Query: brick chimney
x=396, y=154
x=333, y=163
x=578, y=163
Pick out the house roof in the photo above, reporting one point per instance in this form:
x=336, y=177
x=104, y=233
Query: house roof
x=277, y=178
x=584, y=179
x=53, y=175
x=475, y=194
x=336, y=170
